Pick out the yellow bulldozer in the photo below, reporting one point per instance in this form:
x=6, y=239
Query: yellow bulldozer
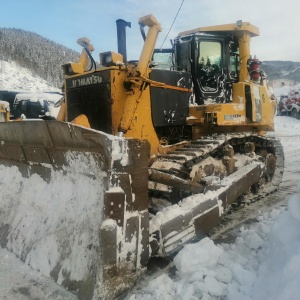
x=144, y=157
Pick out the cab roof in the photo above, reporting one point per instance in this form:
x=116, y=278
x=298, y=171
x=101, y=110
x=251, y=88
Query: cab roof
x=235, y=28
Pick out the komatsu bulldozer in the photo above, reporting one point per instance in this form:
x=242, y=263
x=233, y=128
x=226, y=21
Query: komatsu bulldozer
x=144, y=157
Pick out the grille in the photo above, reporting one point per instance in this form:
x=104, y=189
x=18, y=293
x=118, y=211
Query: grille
x=94, y=101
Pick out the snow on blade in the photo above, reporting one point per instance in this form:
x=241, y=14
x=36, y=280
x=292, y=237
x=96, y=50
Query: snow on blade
x=37, y=237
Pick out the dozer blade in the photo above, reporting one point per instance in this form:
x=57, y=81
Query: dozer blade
x=74, y=205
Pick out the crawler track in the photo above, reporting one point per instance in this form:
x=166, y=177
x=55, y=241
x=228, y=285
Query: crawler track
x=170, y=175
x=250, y=166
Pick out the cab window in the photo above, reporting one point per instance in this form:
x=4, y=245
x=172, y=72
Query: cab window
x=209, y=65
x=234, y=64
x=163, y=59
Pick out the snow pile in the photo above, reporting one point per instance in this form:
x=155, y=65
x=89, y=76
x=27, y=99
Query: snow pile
x=263, y=263
x=14, y=77
x=209, y=271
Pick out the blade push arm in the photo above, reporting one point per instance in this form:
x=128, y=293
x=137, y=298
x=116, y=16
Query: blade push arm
x=138, y=76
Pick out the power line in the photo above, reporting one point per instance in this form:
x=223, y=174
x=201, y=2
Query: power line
x=172, y=24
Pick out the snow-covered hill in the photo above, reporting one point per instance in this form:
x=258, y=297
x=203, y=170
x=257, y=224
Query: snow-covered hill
x=14, y=77
x=275, y=70
x=36, y=53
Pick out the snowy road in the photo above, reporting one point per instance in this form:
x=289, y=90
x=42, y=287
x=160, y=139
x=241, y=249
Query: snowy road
x=204, y=270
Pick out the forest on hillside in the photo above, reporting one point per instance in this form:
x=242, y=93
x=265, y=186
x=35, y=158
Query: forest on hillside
x=44, y=57
x=282, y=70
x=36, y=53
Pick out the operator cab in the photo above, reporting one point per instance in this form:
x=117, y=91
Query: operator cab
x=211, y=60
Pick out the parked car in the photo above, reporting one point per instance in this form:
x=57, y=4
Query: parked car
x=9, y=96
x=36, y=105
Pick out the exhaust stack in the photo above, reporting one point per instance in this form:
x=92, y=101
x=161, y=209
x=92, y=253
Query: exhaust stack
x=121, y=35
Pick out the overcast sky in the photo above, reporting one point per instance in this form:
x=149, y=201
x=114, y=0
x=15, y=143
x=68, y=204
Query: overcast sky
x=64, y=21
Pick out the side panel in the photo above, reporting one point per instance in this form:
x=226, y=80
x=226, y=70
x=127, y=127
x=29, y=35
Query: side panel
x=251, y=110
x=170, y=107
x=259, y=106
